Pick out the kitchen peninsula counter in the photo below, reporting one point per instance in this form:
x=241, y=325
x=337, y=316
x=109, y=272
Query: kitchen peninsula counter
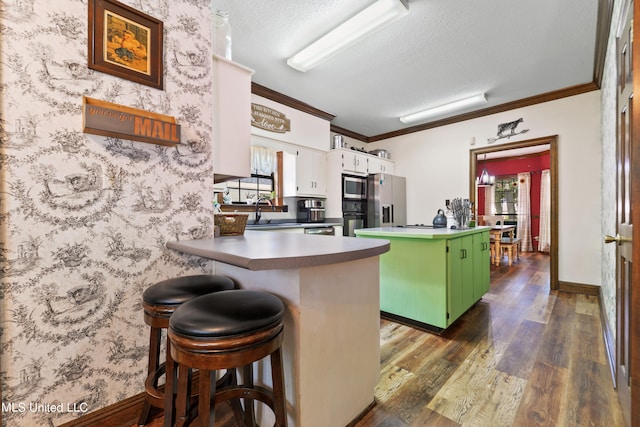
x=273, y=251
x=330, y=286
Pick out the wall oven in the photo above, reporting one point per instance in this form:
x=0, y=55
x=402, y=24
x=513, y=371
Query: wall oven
x=354, y=187
x=354, y=216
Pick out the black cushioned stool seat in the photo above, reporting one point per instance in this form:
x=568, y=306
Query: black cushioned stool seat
x=159, y=302
x=226, y=330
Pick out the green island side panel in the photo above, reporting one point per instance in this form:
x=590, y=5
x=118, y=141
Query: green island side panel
x=412, y=275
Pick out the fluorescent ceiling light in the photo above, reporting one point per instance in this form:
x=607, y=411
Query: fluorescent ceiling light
x=379, y=14
x=481, y=98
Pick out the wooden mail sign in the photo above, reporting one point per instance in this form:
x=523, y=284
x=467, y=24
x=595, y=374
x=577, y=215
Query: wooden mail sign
x=117, y=121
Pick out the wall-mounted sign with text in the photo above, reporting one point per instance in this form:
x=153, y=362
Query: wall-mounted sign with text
x=269, y=119
x=117, y=121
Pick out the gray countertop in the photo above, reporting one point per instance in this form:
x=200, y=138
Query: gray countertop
x=275, y=251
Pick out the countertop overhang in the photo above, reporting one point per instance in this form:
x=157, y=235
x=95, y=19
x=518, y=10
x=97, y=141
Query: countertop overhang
x=418, y=233
x=256, y=250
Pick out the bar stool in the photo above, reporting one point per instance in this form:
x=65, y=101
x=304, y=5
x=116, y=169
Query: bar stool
x=228, y=329
x=159, y=302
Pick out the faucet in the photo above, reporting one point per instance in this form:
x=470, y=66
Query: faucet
x=259, y=211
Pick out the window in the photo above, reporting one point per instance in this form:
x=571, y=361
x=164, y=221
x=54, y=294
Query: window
x=506, y=196
x=241, y=190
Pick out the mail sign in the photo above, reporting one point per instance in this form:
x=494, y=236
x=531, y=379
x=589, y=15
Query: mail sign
x=107, y=119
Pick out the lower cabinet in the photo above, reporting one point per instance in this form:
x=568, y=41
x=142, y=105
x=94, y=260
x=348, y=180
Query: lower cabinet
x=468, y=264
x=432, y=281
x=481, y=264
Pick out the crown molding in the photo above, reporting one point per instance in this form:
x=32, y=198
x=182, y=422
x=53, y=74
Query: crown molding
x=283, y=99
x=525, y=102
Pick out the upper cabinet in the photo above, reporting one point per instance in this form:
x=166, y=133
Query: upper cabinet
x=232, y=120
x=304, y=173
x=380, y=165
x=358, y=163
x=355, y=162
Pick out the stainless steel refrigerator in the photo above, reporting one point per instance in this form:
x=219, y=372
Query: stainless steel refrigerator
x=386, y=200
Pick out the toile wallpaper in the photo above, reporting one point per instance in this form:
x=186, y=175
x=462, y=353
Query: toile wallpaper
x=84, y=218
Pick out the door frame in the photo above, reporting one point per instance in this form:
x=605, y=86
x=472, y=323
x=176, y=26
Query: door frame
x=552, y=141
x=634, y=356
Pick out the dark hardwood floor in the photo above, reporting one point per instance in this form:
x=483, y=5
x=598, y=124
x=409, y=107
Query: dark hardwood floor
x=522, y=356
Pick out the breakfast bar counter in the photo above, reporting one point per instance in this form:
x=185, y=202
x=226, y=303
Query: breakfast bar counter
x=330, y=286
x=257, y=250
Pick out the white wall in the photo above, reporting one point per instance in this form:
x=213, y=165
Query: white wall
x=436, y=164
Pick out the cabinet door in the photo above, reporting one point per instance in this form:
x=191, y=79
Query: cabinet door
x=460, y=281
x=379, y=165
x=481, y=264
x=232, y=120
x=354, y=162
x=455, y=259
x=310, y=174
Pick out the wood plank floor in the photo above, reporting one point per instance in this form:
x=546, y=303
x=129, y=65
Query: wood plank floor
x=522, y=356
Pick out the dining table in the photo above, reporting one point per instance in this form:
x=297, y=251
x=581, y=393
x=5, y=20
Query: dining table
x=496, y=232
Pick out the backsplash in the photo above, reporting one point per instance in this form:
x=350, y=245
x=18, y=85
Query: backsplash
x=85, y=218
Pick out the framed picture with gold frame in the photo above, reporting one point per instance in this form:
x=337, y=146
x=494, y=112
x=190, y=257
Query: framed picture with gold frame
x=125, y=43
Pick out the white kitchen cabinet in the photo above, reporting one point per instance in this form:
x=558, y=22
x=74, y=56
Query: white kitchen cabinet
x=357, y=163
x=354, y=162
x=232, y=120
x=305, y=173
x=348, y=161
x=380, y=165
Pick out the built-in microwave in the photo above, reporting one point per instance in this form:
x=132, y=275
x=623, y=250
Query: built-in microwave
x=354, y=187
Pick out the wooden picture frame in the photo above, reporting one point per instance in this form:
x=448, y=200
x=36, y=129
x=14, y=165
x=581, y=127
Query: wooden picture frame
x=125, y=43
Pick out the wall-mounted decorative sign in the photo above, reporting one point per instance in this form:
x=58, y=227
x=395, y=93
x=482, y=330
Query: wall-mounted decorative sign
x=117, y=121
x=269, y=119
x=125, y=43
x=509, y=127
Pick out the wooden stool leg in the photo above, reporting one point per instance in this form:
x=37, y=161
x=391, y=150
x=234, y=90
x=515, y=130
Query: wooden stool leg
x=279, y=398
x=169, y=388
x=206, y=403
x=510, y=254
x=247, y=379
x=154, y=363
x=235, y=403
x=182, y=397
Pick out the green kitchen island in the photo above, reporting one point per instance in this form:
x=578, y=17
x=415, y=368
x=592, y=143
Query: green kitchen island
x=431, y=276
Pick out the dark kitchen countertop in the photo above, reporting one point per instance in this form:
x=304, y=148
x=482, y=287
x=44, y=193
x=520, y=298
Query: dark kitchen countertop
x=264, y=225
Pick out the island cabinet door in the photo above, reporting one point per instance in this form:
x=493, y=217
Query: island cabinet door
x=481, y=264
x=460, y=276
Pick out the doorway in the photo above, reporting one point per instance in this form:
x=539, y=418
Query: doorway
x=532, y=144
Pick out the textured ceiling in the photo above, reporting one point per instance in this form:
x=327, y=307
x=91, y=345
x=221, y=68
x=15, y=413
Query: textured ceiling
x=442, y=51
